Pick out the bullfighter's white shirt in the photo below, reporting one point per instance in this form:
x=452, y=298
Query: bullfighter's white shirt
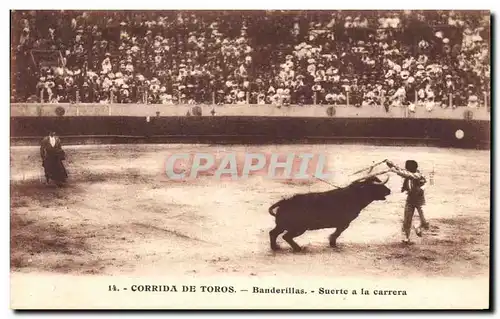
x=52, y=140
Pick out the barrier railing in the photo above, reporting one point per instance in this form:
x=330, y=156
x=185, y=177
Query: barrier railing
x=451, y=100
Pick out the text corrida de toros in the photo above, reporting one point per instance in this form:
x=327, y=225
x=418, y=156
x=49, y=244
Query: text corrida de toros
x=241, y=165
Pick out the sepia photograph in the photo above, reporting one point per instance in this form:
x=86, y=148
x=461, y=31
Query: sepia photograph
x=250, y=159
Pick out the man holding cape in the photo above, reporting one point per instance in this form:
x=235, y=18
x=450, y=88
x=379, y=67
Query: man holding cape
x=52, y=156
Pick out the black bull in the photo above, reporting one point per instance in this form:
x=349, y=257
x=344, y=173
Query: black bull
x=332, y=209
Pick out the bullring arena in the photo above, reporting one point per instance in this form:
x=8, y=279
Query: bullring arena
x=124, y=90
x=120, y=214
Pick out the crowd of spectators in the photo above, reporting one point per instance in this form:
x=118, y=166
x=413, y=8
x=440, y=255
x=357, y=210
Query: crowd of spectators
x=414, y=58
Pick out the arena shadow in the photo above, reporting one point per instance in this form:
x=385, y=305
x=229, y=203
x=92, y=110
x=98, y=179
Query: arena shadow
x=451, y=246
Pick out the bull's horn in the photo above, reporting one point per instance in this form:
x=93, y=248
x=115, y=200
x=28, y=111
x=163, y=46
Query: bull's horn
x=371, y=175
x=383, y=182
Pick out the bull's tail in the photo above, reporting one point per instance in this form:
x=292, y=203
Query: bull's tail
x=270, y=210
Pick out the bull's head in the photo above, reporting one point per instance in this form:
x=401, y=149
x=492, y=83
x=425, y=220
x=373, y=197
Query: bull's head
x=373, y=187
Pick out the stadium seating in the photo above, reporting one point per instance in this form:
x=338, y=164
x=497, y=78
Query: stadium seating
x=429, y=59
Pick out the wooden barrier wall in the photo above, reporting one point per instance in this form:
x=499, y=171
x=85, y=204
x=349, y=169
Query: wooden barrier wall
x=252, y=129
x=36, y=109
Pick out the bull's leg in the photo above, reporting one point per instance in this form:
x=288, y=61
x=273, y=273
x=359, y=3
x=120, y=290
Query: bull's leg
x=336, y=234
x=290, y=235
x=273, y=235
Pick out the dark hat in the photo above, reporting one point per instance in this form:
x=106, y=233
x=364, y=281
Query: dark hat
x=411, y=165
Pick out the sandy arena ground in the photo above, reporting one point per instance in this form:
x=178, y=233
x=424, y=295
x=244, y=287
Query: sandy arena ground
x=119, y=215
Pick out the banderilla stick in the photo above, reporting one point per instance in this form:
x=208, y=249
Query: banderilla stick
x=327, y=182
x=359, y=179
x=372, y=175
x=369, y=168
